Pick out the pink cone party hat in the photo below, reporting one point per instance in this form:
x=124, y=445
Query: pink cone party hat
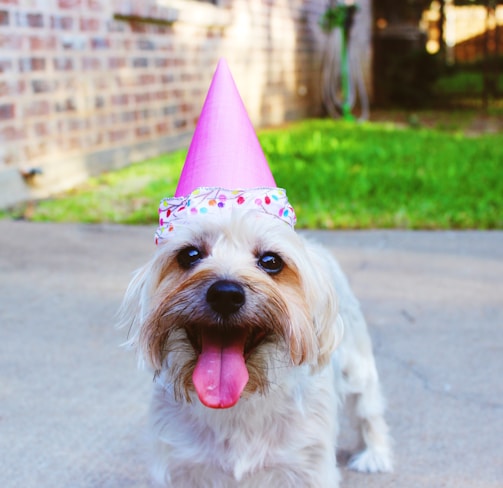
x=224, y=150
x=225, y=166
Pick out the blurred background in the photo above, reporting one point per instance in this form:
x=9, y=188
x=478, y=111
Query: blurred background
x=88, y=86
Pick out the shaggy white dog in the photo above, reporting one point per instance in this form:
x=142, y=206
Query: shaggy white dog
x=255, y=339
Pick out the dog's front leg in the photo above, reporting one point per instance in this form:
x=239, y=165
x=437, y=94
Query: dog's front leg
x=366, y=405
x=373, y=431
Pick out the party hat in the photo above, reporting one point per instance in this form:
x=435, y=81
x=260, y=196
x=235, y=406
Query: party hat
x=224, y=151
x=225, y=166
x=225, y=170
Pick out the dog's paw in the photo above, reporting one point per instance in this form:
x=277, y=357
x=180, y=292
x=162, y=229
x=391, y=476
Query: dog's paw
x=371, y=461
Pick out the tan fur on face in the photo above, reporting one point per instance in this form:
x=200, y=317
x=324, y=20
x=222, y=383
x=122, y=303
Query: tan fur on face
x=182, y=306
x=287, y=306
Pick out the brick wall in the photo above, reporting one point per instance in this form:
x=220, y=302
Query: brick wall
x=92, y=85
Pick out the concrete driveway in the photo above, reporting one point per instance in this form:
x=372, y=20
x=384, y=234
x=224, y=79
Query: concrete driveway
x=73, y=405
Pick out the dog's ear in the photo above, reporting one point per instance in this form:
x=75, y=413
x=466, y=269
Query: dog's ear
x=319, y=287
x=135, y=306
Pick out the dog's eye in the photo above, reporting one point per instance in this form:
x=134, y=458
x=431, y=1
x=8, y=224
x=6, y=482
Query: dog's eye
x=271, y=263
x=189, y=256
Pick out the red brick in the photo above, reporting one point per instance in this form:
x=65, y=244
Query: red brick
x=146, y=79
x=177, y=93
x=41, y=42
x=162, y=127
x=67, y=105
x=4, y=17
x=167, y=78
x=7, y=111
x=76, y=43
x=63, y=64
x=100, y=43
x=145, y=45
x=42, y=129
x=31, y=64
x=114, y=63
x=162, y=29
x=89, y=64
x=77, y=124
x=95, y=5
x=94, y=139
x=13, y=133
x=12, y=88
x=140, y=62
x=118, y=135
x=180, y=124
x=185, y=107
x=120, y=100
x=90, y=24
x=161, y=62
x=29, y=20
x=142, y=131
x=37, y=108
x=61, y=22
x=139, y=27
x=43, y=86
x=142, y=97
x=69, y=4
x=11, y=42
x=115, y=26
x=124, y=80
x=161, y=95
x=125, y=117
x=99, y=102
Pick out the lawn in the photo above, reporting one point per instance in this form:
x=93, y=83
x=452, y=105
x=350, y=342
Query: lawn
x=338, y=176
x=464, y=83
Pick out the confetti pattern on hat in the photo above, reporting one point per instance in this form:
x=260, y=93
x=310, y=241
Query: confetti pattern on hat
x=177, y=211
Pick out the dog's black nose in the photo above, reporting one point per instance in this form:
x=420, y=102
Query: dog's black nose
x=225, y=297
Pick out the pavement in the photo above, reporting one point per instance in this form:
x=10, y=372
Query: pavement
x=73, y=404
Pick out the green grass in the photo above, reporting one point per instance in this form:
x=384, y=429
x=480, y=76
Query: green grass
x=464, y=83
x=338, y=175
x=128, y=196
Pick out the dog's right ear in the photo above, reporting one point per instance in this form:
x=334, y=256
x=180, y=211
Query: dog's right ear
x=321, y=294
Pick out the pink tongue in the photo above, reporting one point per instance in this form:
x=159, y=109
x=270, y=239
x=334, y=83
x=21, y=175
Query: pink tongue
x=220, y=375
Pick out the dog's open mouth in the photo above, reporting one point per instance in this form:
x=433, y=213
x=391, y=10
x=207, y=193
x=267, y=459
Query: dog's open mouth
x=221, y=375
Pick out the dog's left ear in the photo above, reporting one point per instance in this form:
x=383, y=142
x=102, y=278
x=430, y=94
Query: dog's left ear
x=319, y=287
x=134, y=307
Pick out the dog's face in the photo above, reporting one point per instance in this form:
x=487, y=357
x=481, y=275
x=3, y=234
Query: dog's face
x=227, y=304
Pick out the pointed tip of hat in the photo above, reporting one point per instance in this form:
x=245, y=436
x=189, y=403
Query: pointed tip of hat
x=224, y=151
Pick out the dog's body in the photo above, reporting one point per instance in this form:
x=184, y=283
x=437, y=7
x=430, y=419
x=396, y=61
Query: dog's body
x=246, y=282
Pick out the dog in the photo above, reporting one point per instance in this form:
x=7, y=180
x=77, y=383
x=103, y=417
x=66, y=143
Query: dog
x=255, y=340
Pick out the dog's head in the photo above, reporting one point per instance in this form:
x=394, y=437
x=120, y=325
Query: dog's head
x=228, y=303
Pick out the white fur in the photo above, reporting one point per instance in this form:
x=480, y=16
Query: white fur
x=286, y=436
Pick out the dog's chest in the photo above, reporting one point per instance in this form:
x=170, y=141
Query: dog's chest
x=257, y=433
x=237, y=441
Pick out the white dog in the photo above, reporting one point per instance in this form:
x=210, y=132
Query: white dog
x=255, y=339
